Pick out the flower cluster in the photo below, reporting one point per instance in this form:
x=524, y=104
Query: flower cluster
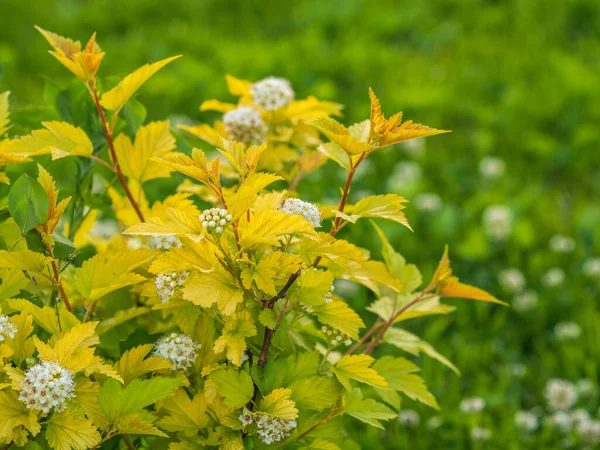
x=427, y=202
x=591, y=267
x=308, y=210
x=329, y=295
x=179, y=349
x=163, y=242
x=270, y=429
x=334, y=337
x=491, y=167
x=215, y=219
x=272, y=93
x=567, y=331
x=560, y=394
x=480, y=434
x=47, y=385
x=244, y=124
x=560, y=243
x=512, y=280
x=553, y=277
x=497, y=221
x=525, y=301
x=7, y=328
x=166, y=284
x=409, y=418
x=472, y=405
x=526, y=421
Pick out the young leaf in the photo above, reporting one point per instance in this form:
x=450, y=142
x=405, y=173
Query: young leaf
x=278, y=404
x=116, y=98
x=388, y=206
x=237, y=328
x=338, y=315
x=236, y=388
x=247, y=193
x=68, y=430
x=366, y=410
x=357, y=367
x=340, y=135
x=133, y=363
x=28, y=203
x=316, y=393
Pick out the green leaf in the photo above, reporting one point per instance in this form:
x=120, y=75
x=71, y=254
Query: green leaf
x=141, y=393
x=367, y=410
x=236, y=388
x=109, y=398
x=357, y=367
x=28, y=203
x=316, y=393
x=338, y=315
x=267, y=318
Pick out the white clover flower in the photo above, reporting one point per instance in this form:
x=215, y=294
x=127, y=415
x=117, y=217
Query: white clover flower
x=526, y=421
x=585, y=387
x=553, y=277
x=491, y=167
x=271, y=429
x=480, y=434
x=472, y=405
x=561, y=421
x=308, y=210
x=560, y=243
x=591, y=267
x=497, y=221
x=272, y=93
x=512, y=280
x=525, y=301
x=580, y=416
x=215, y=219
x=405, y=176
x=589, y=432
x=244, y=124
x=7, y=328
x=434, y=422
x=415, y=148
x=409, y=418
x=179, y=349
x=427, y=202
x=163, y=242
x=46, y=386
x=560, y=394
x=167, y=283
x=567, y=331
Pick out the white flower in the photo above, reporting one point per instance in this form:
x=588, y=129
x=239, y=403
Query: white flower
x=329, y=295
x=585, y=387
x=166, y=284
x=246, y=417
x=7, y=328
x=47, y=386
x=561, y=421
x=553, y=277
x=560, y=394
x=179, y=349
x=591, y=267
x=579, y=416
x=491, y=167
x=566, y=331
x=405, y=176
x=525, y=301
x=497, y=221
x=308, y=210
x=480, y=434
x=526, y=421
x=409, y=418
x=215, y=219
x=163, y=242
x=244, y=124
x=472, y=405
x=272, y=93
x=427, y=202
x=560, y=243
x=589, y=431
x=272, y=429
x=512, y=280
x=334, y=337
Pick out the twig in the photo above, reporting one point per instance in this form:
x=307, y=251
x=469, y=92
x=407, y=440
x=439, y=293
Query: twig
x=262, y=360
x=61, y=289
x=128, y=442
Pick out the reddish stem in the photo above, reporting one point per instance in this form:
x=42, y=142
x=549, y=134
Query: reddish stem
x=61, y=289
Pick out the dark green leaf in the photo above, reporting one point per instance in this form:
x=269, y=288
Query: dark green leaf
x=28, y=203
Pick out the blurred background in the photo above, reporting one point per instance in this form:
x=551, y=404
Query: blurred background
x=514, y=189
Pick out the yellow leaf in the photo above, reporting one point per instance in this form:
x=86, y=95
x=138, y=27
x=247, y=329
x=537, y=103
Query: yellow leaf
x=278, y=404
x=55, y=211
x=269, y=271
x=177, y=223
x=193, y=255
x=22, y=346
x=204, y=289
x=86, y=394
x=238, y=87
x=247, y=193
x=134, y=424
x=57, y=138
x=116, y=98
x=388, y=206
x=449, y=286
x=153, y=140
x=184, y=414
x=70, y=429
x=24, y=260
x=269, y=226
x=13, y=281
x=339, y=134
x=216, y=105
x=14, y=414
x=4, y=113
x=357, y=367
x=312, y=108
x=338, y=315
x=79, y=337
x=204, y=132
x=237, y=328
x=133, y=363
x=194, y=167
x=46, y=316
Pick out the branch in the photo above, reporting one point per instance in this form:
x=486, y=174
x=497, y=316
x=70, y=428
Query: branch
x=61, y=289
x=262, y=360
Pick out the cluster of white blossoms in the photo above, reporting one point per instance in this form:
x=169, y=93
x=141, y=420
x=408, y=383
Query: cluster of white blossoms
x=409, y=418
x=491, y=167
x=308, y=210
x=560, y=394
x=472, y=405
x=270, y=429
x=497, y=221
x=525, y=301
x=589, y=431
x=163, y=242
x=427, y=202
x=179, y=349
x=7, y=328
x=512, y=280
x=560, y=243
x=553, y=277
x=244, y=124
x=480, y=434
x=526, y=421
x=567, y=331
x=47, y=386
x=334, y=337
x=272, y=93
x=166, y=283
x=215, y=219
x=591, y=267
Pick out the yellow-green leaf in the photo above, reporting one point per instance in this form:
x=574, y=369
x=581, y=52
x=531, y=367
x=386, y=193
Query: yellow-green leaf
x=357, y=367
x=338, y=315
x=278, y=404
x=57, y=138
x=69, y=429
x=204, y=289
x=237, y=328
